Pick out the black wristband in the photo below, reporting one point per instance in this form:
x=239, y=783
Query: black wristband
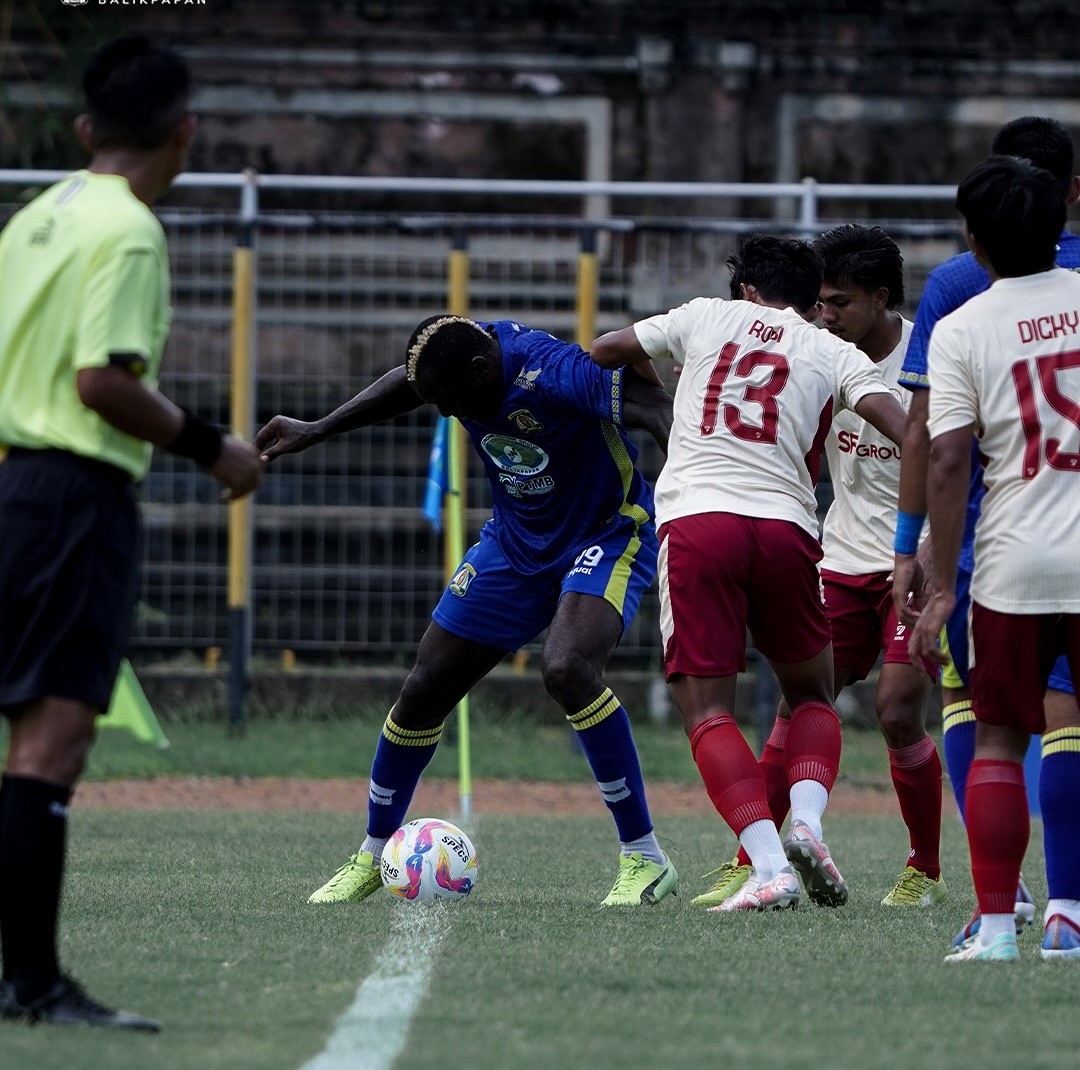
x=200, y=441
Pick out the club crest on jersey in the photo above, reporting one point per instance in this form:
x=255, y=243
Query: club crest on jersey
x=527, y=380
x=525, y=422
x=514, y=455
x=459, y=585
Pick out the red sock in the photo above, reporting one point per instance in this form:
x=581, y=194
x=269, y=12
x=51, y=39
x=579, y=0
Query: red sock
x=813, y=744
x=916, y=776
x=774, y=770
x=998, y=827
x=729, y=771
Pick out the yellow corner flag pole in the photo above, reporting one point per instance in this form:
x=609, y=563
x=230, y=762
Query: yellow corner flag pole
x=458, y=287
x=129, y=708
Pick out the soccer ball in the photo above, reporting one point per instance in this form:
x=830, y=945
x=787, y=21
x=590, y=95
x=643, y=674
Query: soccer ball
x=429, y=859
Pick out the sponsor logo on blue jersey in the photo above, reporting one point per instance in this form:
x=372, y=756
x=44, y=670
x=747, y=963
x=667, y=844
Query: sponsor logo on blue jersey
x=521, y=465
x=515, y=455
x=527, y=380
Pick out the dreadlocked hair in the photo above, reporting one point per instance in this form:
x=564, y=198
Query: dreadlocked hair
x=453, y=337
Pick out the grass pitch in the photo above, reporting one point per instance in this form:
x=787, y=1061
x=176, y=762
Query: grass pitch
x=200, y=919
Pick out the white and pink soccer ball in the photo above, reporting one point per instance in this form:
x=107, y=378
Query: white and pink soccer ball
x=429, y=859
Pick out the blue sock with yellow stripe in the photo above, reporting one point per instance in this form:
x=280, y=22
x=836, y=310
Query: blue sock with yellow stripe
x=1059, y=802
x=605, y=736
x=958, y=745
x=400, y=758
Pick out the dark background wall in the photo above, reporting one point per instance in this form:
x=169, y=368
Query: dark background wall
x=754, y=90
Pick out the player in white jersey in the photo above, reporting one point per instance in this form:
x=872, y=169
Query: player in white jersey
x=863, y=286
x=738, y=540
x=1006, y=365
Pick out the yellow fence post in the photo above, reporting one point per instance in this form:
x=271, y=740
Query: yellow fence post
x=241, y=517
x=455, y=501
x=587, y=289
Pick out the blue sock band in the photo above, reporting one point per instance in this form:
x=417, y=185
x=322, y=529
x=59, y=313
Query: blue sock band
x=958, y=744
x=606, y=738
x=400, y=758
x=1059, y=801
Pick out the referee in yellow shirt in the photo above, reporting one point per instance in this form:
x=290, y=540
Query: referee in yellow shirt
x=84, y=316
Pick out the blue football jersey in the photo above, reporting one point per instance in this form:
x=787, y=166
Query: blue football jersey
x=948, y=287
x=559, y=464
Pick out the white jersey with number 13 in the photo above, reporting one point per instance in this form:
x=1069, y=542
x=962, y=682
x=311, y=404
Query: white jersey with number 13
x=755, y=400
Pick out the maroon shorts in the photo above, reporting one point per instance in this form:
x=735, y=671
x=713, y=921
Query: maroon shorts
x=721, y=574
x=864, y=622
x=1014, y=654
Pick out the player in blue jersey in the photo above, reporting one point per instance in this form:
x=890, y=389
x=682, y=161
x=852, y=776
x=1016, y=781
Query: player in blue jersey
x=1048, y=145
x=571, y=547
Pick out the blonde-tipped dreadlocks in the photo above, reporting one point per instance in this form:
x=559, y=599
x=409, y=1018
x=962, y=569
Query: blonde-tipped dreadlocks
x=425, y=335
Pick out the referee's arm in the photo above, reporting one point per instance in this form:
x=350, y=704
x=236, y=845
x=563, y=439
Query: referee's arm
x=119, y=398
x=116, y=394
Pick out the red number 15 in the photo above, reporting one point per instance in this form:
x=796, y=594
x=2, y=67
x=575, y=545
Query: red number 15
x=1047, y=368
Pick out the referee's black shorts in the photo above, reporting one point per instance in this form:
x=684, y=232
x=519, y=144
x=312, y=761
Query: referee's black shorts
x=69, y=543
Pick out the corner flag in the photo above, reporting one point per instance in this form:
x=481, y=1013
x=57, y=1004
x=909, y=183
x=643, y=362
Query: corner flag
x=130, y=709
x=438, y=480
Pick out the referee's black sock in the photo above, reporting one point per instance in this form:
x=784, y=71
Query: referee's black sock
x=33, y=832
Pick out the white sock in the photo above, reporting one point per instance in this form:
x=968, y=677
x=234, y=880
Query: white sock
x=646, y=846
x=994, y=925
x=1069, y=907
x=375, y=846
x=762, y=843
x=808, y=801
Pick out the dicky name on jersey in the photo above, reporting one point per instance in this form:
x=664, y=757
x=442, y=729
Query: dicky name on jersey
x=1044, y=328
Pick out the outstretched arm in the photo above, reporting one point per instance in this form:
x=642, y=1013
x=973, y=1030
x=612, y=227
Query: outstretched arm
x=616, y=348
x=885, y=413
x=121, y=399
x=647, y=406
x=387, y=397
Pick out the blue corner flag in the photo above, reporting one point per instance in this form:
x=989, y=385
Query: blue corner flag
x=438, y=479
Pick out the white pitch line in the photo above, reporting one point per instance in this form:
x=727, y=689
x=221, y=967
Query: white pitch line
x=372, y=1032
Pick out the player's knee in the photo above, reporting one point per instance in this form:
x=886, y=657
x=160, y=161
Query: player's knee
x=900, y=722
x=57, y=759
x=1061, y=710
x=425, y=701
x=569, y=677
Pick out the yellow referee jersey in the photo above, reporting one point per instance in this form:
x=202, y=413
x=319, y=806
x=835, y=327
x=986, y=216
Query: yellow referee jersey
x=84, y=279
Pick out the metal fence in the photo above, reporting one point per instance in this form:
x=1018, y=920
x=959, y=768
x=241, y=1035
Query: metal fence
x=345, y=565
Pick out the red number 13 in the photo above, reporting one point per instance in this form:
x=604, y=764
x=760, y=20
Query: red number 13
x=764, y=395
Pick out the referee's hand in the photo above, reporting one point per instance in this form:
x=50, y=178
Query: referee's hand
x=239, y=467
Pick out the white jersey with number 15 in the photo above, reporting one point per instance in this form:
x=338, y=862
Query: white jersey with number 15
x=1008, y=361
x=755, y=400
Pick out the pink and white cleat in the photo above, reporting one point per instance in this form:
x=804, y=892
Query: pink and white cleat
x=814, y=864
x=779, y=893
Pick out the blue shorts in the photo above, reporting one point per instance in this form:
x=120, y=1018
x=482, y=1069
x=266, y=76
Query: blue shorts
x=1060, y=677
x=488, y=602
x=956, y=629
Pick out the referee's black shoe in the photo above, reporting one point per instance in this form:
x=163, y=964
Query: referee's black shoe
x=67, y=1004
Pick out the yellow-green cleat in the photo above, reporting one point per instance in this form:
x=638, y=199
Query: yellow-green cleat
x=356, y=880
x=642, y=881
x=730, y=877
x=915, y=889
